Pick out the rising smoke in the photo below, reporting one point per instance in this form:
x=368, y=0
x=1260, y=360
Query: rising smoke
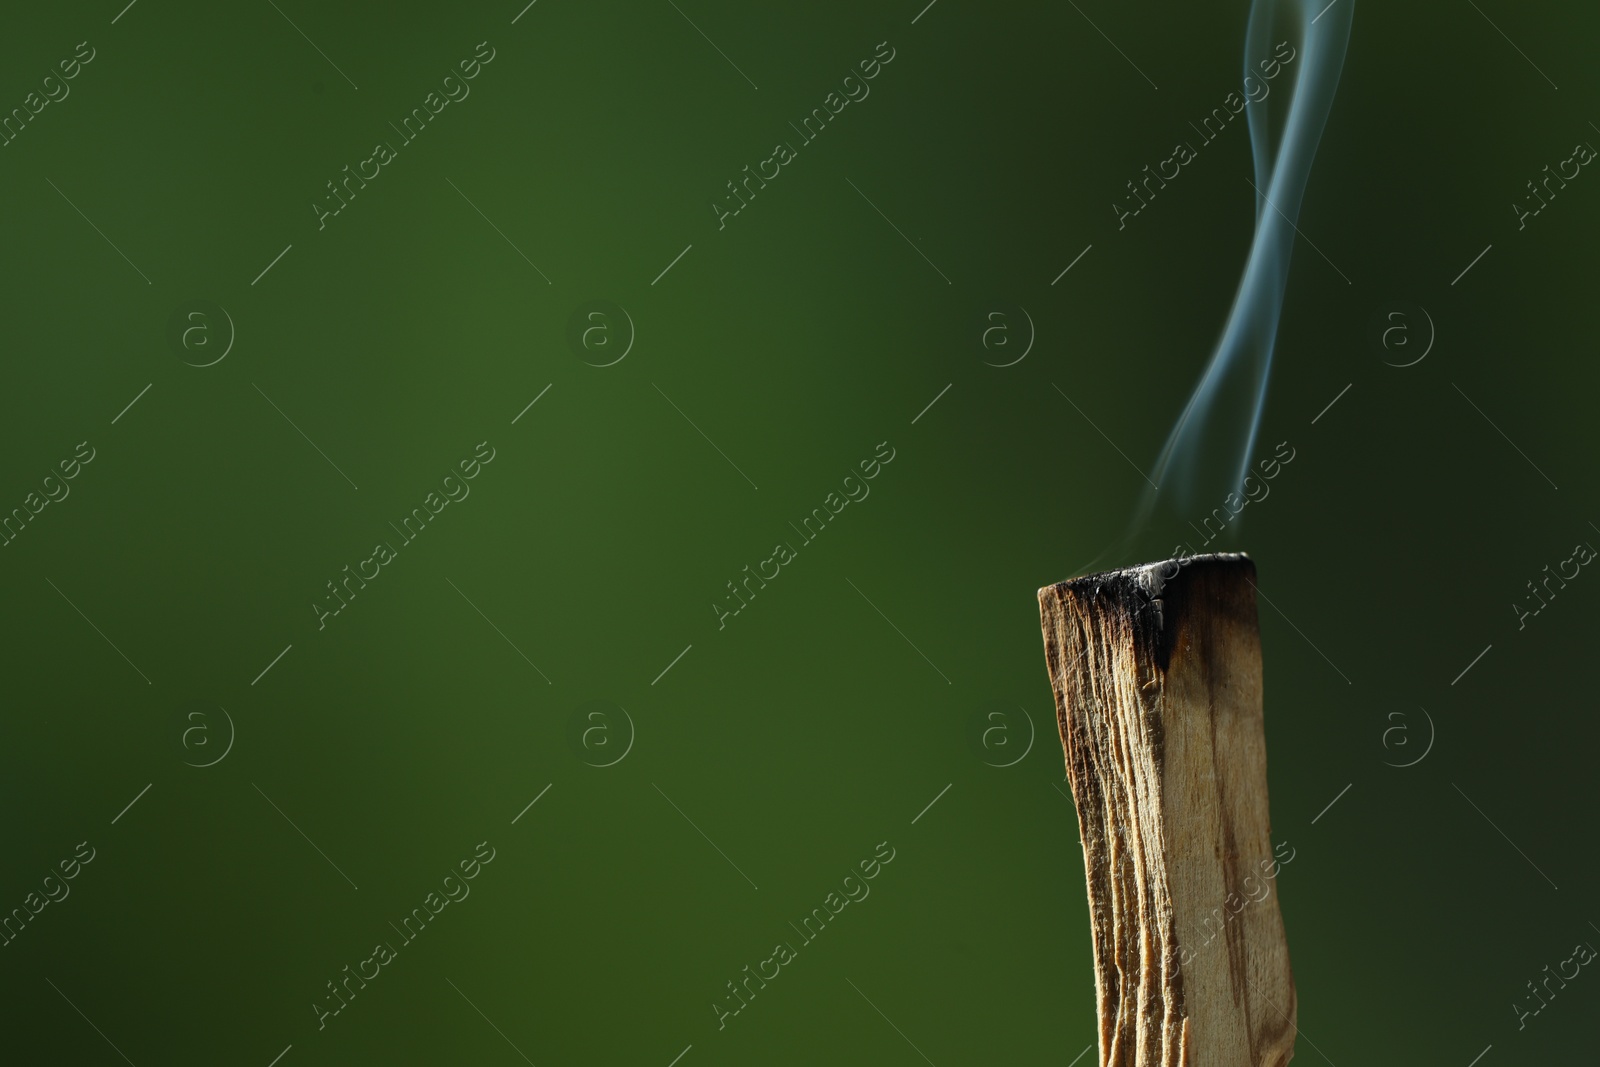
x=1209, y=452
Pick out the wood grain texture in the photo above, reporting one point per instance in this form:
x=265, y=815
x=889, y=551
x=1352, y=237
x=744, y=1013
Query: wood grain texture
x=1157, y=678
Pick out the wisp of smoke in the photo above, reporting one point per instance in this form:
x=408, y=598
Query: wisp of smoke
x=1210, y=448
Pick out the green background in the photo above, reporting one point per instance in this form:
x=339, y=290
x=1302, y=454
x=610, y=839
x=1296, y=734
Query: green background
x=826, y=716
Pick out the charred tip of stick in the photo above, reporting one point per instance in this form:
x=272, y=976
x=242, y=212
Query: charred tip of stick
x=1151, y=596
x=1157, y=677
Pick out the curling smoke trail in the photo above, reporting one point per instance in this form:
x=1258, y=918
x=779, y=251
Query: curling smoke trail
x=1232, y=392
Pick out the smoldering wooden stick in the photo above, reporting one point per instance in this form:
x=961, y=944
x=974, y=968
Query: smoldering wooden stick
x=1157, y=678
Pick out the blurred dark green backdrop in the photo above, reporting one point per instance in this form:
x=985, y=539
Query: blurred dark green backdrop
x=780, y=750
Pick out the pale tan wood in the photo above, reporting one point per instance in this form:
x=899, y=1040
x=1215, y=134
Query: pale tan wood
x=1157, y=678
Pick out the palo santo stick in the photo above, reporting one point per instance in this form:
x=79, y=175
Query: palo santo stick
x=1157, y=678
